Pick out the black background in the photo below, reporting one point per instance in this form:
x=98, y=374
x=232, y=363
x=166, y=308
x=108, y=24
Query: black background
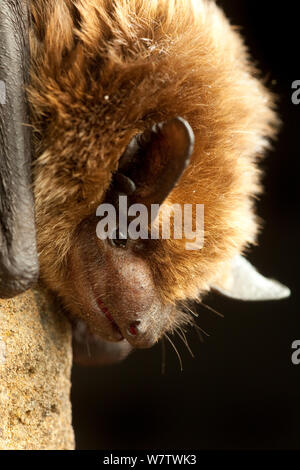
x=241, y=391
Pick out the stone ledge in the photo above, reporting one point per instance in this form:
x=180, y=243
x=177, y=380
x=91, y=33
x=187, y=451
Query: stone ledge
x=35, y=369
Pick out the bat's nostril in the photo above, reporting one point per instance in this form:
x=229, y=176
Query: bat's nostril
x=133, y=329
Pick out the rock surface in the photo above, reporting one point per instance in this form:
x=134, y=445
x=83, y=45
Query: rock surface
x=35, y=369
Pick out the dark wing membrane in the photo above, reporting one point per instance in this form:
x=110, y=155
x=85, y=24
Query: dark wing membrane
x=18, y=254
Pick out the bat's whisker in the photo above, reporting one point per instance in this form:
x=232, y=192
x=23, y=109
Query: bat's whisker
x=163, y=356
x=195, y=314
x=182, y=336
x=212, y=310
x=176, y=351
x=200, y=329
x=200, y=335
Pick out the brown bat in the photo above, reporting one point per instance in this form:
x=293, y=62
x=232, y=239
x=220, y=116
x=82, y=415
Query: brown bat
x=157, y=101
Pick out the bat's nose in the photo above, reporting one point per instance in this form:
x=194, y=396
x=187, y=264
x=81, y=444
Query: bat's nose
x=133, y=328
x=137, y=336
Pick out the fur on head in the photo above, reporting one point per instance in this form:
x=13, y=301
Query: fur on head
x=103, y=71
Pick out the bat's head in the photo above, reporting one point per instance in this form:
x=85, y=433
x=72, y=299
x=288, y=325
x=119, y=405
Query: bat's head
x=110, y=271
x=114, y=275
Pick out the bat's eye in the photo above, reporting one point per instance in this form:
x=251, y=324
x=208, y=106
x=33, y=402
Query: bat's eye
x=119, y=243
x=118, y=239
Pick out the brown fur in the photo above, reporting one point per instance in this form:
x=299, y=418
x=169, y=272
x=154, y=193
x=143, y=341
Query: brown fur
x=104, y=70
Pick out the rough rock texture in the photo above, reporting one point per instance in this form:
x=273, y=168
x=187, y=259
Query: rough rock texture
x=35, y=367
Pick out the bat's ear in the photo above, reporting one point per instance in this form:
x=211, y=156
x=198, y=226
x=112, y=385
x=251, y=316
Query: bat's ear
x=246, y=283
x=155, y=160
x=18, y=254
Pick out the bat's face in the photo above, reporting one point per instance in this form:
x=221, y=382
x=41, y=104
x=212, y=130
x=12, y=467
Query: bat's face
x=114, y=286
x=111, y=283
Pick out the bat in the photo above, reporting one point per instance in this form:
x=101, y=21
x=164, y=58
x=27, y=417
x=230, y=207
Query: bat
x=156, y=102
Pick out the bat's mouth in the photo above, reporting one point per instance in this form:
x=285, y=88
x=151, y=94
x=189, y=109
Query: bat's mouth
x=102, y=319
x=109, y=316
